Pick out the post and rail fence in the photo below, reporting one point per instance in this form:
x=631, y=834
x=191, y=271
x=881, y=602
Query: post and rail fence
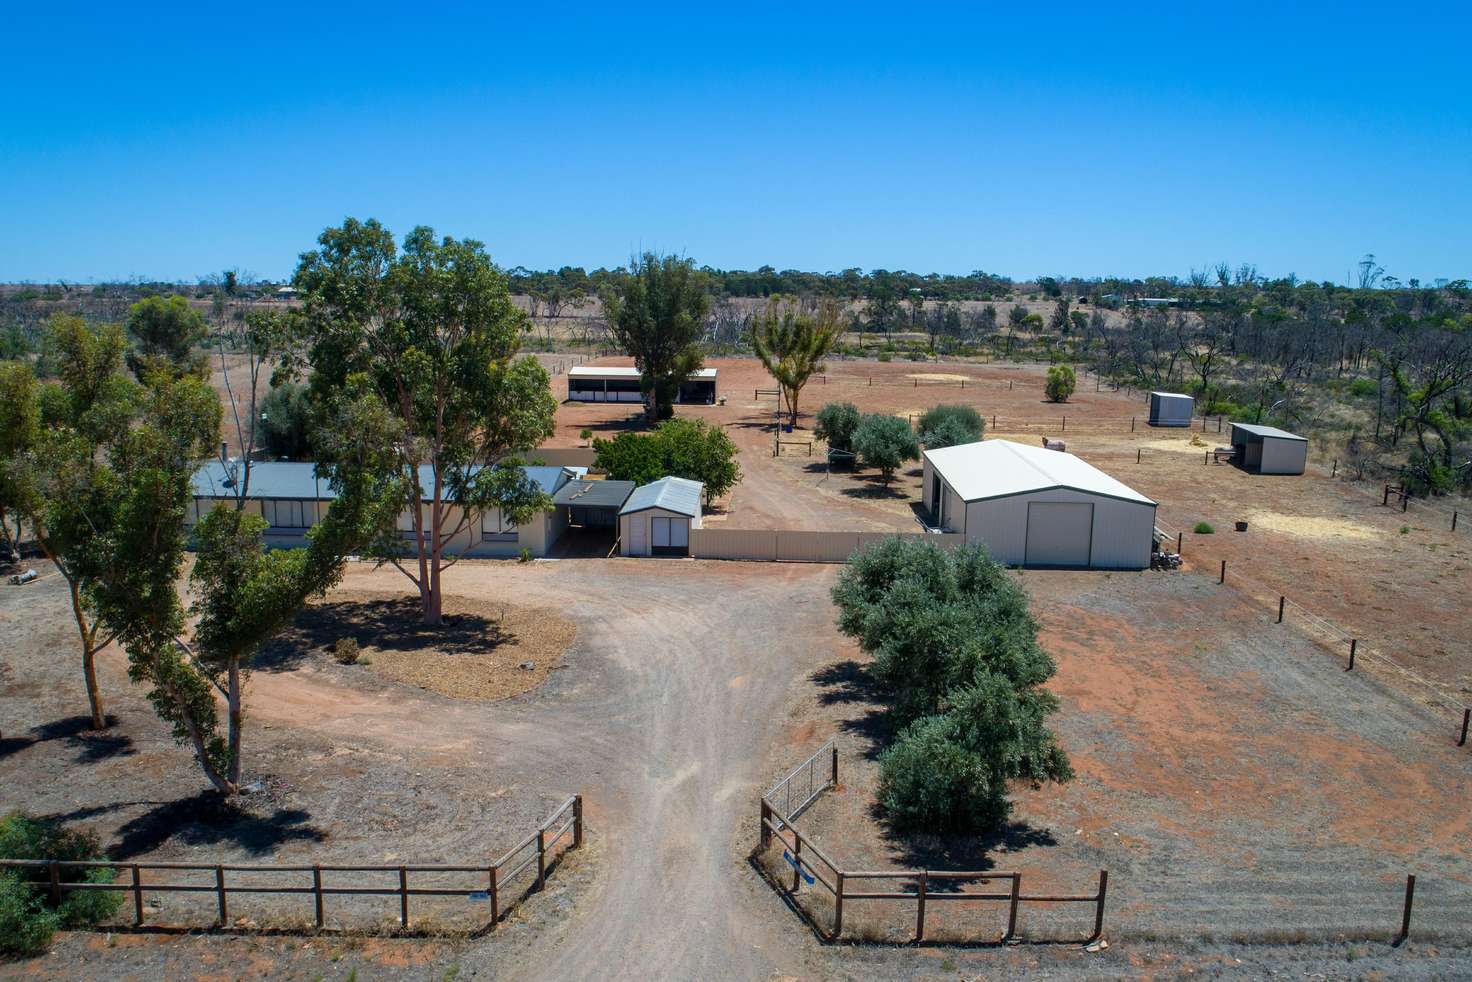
x=536, y=852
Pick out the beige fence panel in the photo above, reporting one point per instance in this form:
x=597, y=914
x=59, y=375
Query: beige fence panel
x=797, y=546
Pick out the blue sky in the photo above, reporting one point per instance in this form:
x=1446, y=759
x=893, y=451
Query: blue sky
x=174, y=142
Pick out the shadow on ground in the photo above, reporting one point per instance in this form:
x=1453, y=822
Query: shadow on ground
x=76, y=733
x=389, y=624
x=206, y=819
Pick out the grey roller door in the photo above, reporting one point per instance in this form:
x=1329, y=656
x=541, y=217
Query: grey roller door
x=1059, y=533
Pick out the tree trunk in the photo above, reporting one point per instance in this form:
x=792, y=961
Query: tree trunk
x=233, y=698
x=89, y=658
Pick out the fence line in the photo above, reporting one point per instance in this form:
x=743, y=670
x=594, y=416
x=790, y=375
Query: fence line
x=800, y=852
x=536, y=850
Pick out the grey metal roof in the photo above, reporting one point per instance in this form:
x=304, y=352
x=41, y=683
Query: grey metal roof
x=1001, y=468
x=1258, y=430
x=674, y=494
x=594, y=494
x=625, y=371
x=296, y=480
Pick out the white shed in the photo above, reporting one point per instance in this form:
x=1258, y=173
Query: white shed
x=1171, y=409
x=601, y=383
x=657, y=518
x=1268, y=450
x=1036, y=507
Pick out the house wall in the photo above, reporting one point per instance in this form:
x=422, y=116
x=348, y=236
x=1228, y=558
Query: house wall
x=1284, y=456
x=1122, y=530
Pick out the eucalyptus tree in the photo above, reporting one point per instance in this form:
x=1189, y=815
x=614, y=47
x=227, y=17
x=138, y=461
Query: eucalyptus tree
x=428, y=337
x=791, y=340
x=656, y=312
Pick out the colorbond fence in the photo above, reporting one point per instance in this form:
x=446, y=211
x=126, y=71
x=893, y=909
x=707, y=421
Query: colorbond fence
x=796, y=545
x=817, y=774
x=493, y=884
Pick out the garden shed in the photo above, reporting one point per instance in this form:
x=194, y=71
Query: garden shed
x=657, y=518
x=1036, y=507
x=1171, y=409
x=591, y=383
x=1268, y=450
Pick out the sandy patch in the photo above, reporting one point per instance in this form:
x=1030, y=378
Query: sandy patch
x=1194, y=445
x=476, y=654
x=1309, y=527
x=939, y=377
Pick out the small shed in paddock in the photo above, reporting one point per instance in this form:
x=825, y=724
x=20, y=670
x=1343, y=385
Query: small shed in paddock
x=1038, y=508
x=1268, y=450
x=593, y=383
x=657, y=518
x=1171, y=409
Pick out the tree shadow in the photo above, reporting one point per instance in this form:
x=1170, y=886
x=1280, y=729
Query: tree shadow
x=872, y=486
x=76, y=733
x=391, y=624
x=959, y=850
x=206, y=819
x=851, y=683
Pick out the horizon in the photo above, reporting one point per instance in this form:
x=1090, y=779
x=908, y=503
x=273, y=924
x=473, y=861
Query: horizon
x=810, y=141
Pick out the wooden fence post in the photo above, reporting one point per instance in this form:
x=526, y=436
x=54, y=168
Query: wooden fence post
x=1012, y=903
x=1281, y=601
x=1353, y=644
x=577, y=822
x=796, y=860
x=1137, y=455
x=495, y=894
x=1466, y=718
x=838, y=904
x=765, y=832
x=541, y=857
x=1099, y=910
x=1179, y=537
x=1333, y=472
x=1224, y=572
x=1385, y=499
x=834, y=775
x=137, y=896
x=220, y=893
x=1132, y=424
x=1454, y=521
x=1065, y=424
x=920, y=907
x=1206, y=461
x=55, y=871
x=403, y=896
x=1405, y=915
x=317, y=893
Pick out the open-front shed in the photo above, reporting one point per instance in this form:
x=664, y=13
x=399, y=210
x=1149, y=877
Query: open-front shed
x=594, y=383
x=1036, y=507
x=657, y=518
x=1268, y=450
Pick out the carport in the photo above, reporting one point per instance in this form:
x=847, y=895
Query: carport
x=593, y=504
x=657, y=518
x=1268, y=450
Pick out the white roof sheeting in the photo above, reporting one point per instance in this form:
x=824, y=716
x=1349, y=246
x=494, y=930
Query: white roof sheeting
x=587, y=371
x=1172, y=395
x=1258, y=430
x=1001, y=468
x=675, y=494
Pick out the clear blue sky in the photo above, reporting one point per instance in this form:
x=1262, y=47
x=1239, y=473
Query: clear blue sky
x=1026, y=140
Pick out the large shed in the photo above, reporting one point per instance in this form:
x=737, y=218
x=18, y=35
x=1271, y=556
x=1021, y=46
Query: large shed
x=1268, y=450
x=592, y=383
x=1171, y=409
x=1036, y=507
x=657, y=518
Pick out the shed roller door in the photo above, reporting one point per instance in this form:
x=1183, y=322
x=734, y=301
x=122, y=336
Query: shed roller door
x=1059, y=533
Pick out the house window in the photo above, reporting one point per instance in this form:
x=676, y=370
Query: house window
x=494, y=528
x=287, y=514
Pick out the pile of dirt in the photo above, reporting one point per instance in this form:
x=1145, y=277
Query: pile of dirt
x=482, y=651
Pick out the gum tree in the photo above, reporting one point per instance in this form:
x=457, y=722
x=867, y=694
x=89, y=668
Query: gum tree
x=791, y=341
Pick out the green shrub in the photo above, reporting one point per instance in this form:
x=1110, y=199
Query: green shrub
x=950, y=425
x=525, y=556
x=1061, y=383
x=929, y=781
x=1203, y=528
x=884, y=356
x=885, y=442
x=836, y=423
x=27, y=922
x=1363, y=387
x=688, y=448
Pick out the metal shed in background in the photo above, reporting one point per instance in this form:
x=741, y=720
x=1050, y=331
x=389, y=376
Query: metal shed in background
x=1268, y=450
x=1036, y=507
x=595, y=383
x=1171, y=409
x=657, y=518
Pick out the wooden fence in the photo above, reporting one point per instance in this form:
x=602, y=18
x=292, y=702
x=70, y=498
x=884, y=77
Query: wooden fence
x=796, y=545
x=535, y=852
x=810, y=864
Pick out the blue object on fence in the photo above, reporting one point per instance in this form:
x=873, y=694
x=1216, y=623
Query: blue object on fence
x=479, y=897
x=795, y=865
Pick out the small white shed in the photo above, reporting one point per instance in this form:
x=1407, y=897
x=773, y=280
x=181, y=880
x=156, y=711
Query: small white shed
x=1036, y=507
x=1268, y=450
x=657, y=518
x=1171, y=409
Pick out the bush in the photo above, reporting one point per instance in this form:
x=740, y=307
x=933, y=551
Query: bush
x=1363, y=387
x=284, y=417
x=950, y=425
x=930, y=781
x=1203, y=528
x=1061, y=383
x=688, y=448
x=27, y=922
x=836, y=423
x=884, y=356
x=885, y=442
x=525, y=556
x=585, y=435
x=346, y=651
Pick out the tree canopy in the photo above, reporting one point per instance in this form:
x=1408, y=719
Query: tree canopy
x=791, y=340
x=656, y=311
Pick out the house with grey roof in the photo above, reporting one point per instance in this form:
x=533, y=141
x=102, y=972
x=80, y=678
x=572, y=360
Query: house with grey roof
x=657, y=518
x=292, y=499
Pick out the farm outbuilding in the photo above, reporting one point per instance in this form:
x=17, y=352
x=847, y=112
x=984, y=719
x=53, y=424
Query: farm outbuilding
x=1035, y=507
x=1171, y=409
x=292, y=499
x=621, y=384
x=1268, y=450
x=657, y=518
x=593, y=504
